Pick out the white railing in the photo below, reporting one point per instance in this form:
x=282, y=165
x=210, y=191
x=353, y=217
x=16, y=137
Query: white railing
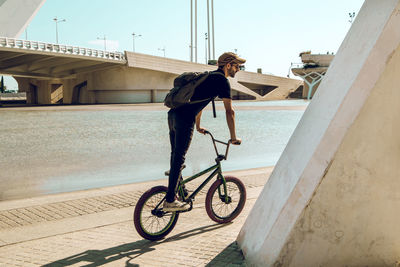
x=59, y=48
x=297, y=65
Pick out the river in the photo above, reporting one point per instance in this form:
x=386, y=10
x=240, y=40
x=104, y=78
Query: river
x=46, y=150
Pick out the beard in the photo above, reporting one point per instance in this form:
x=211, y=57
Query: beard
x=231, y=72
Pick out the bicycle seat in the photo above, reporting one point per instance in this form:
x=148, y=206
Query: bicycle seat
x=167, y=172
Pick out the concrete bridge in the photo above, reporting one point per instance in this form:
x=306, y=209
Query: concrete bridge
x=55, y=73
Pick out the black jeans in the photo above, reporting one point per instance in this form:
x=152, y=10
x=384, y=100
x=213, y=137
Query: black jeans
x=180, y=136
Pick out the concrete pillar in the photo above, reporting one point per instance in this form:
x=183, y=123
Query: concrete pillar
x=25, y=86
x=333, y=197
x=15, y=15
x=153, y=96
x=68, y=90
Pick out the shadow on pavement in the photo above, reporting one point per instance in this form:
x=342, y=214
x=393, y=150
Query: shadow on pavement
x=230, y=256
x=129, y=250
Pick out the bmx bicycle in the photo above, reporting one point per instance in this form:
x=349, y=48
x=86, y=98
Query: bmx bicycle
x=225, y=200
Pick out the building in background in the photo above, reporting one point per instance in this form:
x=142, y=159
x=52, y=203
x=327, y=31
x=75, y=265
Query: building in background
x=311, y=70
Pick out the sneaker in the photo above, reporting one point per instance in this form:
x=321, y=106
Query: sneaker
x=175, y=206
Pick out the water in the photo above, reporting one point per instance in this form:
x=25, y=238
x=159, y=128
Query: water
x=276, y=103
x=56, y=149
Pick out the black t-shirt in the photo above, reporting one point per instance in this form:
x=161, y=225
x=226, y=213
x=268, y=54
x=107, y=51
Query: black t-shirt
x=215, y=85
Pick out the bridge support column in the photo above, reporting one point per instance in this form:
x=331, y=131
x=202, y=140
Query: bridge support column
x=153, y=96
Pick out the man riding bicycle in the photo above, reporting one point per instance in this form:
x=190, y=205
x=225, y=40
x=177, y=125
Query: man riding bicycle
x=181, y=121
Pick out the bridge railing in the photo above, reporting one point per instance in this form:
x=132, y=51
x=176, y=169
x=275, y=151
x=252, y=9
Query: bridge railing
x=60, y=48
x=297, y=65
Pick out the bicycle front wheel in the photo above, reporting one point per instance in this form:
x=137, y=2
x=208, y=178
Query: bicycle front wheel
x=151, y=222
x=222, y=205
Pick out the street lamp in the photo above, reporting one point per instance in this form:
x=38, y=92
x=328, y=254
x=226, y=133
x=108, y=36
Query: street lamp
x=56, y=20
x=162, y=49
x=352, y=15
x=105, y=40
x=205, y=39
x=133, y=40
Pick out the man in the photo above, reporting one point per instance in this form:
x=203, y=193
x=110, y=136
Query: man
x=181, y=120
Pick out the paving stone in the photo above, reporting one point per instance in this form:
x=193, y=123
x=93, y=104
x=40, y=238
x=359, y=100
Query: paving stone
x=195, y=241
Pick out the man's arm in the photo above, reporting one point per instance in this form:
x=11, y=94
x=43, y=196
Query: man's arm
x=198, y=128
x=230, y=120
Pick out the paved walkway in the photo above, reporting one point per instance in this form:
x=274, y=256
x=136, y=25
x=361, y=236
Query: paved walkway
x=94, y=227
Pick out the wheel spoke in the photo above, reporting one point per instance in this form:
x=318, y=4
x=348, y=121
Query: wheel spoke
x=218, y=205
x=153, y=224
x=149, y=219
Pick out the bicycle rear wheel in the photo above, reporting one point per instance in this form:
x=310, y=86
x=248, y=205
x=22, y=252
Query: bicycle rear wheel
x=223, y=208
x=151, y=222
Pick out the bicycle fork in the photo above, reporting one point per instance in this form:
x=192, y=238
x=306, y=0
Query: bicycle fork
x=224, y=197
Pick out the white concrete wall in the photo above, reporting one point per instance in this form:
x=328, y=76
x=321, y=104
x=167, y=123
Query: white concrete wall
x=123, y=97
x=352, y=219
x=125, y=78
x=354, y=72
x=15, y=15
x=130, y=85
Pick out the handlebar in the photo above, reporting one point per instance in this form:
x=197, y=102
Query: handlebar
x=219, y=156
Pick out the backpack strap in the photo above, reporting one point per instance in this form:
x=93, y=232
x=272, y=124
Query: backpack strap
x=212, y=98
x=198, y=83
x=213, y=106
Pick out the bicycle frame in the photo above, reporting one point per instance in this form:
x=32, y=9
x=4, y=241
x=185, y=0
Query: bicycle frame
x=216, y=171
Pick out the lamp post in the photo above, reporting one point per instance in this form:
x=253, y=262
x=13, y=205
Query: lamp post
x=191, y=31
x=162, y=49
x=134, y=35
x=105, y=41
x=208, y=28
x=56, y=20
x=205, y=39
x=352, y=15
x=212, y=28
x=193, y=47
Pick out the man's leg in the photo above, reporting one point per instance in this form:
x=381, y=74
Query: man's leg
x=172, y=141
x=171, y=123
x=182, y=137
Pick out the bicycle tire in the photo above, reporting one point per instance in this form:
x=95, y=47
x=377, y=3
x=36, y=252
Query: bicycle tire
x=215, y=205
x=146, y=222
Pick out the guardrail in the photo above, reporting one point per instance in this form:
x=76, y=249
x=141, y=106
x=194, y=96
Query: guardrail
x=296, y=65
x=59, y=48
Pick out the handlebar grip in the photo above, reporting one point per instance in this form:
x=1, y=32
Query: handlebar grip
x=237, y=143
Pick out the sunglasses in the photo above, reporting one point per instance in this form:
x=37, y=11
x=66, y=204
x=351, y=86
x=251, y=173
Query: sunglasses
x=237, y=66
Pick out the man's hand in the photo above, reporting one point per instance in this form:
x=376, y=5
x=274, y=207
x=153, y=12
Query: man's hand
x=236, y=141
x=201, y=130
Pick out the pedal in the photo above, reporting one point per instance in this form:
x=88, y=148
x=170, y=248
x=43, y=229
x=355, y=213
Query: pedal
x=167, y=172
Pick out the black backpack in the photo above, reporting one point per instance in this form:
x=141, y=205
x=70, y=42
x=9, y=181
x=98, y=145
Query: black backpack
x=184, y=87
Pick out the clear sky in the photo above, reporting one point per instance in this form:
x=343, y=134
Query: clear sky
x=269, y=34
